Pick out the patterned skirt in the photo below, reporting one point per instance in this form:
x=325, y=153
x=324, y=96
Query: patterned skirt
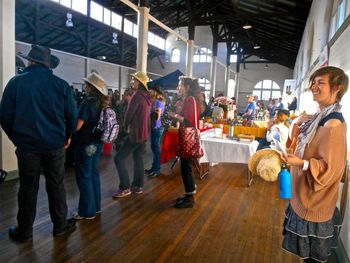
x=309, y=239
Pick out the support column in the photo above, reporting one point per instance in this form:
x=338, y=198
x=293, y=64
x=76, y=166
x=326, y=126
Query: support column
x=189, y=58
x=8, y=161
x=227, y=78
x=214, y=29
x=213, y=76
x=238, y=64
x=142, y=41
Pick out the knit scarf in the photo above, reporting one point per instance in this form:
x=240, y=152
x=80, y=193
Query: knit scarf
x=308, y=130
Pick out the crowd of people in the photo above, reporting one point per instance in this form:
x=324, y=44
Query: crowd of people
x=41, y=138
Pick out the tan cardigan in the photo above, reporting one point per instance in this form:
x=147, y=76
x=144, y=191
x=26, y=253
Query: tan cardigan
x=315, y=192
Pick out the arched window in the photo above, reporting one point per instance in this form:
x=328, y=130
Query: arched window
x=267, y=89
x=204, y=83
x=231, y=88
x=202, y=55
x=175, y=55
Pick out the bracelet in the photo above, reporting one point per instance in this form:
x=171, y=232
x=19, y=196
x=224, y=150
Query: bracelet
x=305, y=165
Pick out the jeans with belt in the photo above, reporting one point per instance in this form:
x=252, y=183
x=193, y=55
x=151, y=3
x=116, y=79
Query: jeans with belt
x=156, y=134
x=29, y=168
x=87, y=158
x=136, y=149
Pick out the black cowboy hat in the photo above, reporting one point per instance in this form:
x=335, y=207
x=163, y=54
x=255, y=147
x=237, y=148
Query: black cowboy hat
x=42, y=55
x=157, y=88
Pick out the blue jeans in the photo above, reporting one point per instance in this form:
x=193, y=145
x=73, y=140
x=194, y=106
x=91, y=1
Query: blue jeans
x=87, y=157
x=156, y=134
x=127, y=148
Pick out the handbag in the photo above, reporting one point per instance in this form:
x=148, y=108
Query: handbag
x=189, y=145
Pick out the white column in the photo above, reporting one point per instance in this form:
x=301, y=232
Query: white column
x=237, y=87
x=142, y=41
x=189, y=58
x=227, y=78
x=8, y=161
x=213, y=76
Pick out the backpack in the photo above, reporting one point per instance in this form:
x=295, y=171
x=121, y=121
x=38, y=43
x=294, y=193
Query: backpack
x=107, y=127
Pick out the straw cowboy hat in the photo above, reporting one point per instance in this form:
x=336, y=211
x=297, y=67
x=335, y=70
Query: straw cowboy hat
x=266, y=163
x=98, y=82
x=42, y=55
x=141, y=77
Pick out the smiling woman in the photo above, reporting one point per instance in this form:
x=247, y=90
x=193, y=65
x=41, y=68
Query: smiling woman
x=312, y=221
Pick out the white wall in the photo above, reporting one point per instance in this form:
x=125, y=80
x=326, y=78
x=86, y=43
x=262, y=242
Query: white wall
x=339, y=56
x=72, y=68
x=248, y=77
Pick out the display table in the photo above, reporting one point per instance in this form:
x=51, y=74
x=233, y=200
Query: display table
x=219, y=150
x=216, y=150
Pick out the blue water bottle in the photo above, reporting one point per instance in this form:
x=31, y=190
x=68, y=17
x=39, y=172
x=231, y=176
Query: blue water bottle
x=285, y=182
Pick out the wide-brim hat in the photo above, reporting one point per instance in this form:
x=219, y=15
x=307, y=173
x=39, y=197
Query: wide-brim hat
x=55, y=61
x=141, y=77
x=39, y=54
x=98, y=82
x=266, y=163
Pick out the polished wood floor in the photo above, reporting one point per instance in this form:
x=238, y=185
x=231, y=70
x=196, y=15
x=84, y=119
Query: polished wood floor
x=229, y=223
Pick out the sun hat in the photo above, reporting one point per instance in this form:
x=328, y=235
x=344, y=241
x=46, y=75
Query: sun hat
x=141, y=77
x=266, y=163
x=98, y=82
x=39, y=54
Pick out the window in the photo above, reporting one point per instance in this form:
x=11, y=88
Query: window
x=150, y=38
x=80, y=6
x=175, y=55
x=204, y=83
x=96, y=11
x=135, y=33
x=231, y=88
x=341, y=13
x=66, y=3
x=106, y=16
x=202, y=55
x=128, y=26
x=233, y=58
x=161, y=43
x=116, y=21
x=338, y=18
x=267, y=89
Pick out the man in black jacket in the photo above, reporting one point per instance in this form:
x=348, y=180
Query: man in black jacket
x=38, y=113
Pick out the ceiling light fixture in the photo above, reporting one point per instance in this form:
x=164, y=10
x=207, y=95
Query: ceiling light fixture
x=257, y=46
x=101, y=57
x=247, y=26
x=115, y=38
x=69, y=22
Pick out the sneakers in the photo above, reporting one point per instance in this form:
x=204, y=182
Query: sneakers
x=15, y=235
x=136, y=190
x=121, y=193
x=153, y=174
x=184, y=202
x=148, y=171
x=76, y=216
x=70, y=226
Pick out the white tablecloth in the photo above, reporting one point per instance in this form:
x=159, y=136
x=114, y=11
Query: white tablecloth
x=226, y=150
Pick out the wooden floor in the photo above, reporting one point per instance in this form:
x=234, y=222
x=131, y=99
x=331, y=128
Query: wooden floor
x=229, y=223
